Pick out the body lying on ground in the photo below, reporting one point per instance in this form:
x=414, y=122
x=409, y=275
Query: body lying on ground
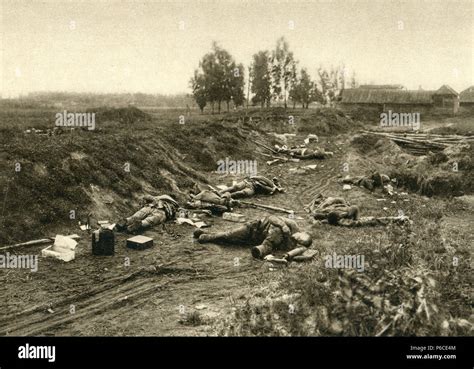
x=265, y=235
x=251, y=186
x=338, y=211
x=334, y=219
x=304, y=152
x=370, y=182
x=213, y=201
x=321, y=206
x=158, y=210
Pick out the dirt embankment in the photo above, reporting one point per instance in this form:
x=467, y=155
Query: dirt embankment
x=59, y=179
x=322, y=121
x=52, y=180
x=444, y=173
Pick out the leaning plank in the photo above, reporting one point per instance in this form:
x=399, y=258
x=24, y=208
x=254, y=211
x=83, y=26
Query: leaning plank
x=41, y=241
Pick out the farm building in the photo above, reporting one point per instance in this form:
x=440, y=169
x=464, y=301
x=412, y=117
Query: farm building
x=445, y=99
x=466, y=98
x=382, y=87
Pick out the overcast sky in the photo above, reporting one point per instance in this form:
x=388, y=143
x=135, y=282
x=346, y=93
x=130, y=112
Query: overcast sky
x=153, y=47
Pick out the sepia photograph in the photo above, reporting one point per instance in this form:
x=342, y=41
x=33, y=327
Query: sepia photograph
x=240, y=168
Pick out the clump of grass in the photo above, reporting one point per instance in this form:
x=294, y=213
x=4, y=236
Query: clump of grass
x=193, y=319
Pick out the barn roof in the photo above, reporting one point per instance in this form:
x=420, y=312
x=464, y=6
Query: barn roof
x=382, y=87
x=446, y=90
x=380, y=96
x=467, y=95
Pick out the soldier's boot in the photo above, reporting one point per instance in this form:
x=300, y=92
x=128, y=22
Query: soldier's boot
x=135, y=226
x=203, y=238
x=121, y=225
x=198, y=232
x=259, y=252
x=233, y=203
x=333, y=218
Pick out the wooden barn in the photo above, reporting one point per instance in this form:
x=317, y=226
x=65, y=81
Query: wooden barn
x=446, y=97
x=383, y=100
x=382, y=87
x=396, y=99
x=466, y=98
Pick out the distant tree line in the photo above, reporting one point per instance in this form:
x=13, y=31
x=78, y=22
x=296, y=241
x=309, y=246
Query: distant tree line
x=274, y=77
x=53, y=99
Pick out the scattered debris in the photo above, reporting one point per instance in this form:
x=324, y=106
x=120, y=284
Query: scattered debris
x=234, y=217
x=311, y=138
x=267, y=207
x=271, y=162
x=198, y=224
x=389, y=189
x=283, y=137
x=63, y=249
x=303, y=170
x=37, y=242
x=272, y=259
x=422, y=144
x=346, y=187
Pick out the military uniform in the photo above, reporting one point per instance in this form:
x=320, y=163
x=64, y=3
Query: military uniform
x=211, y=200
x=267, y=234
x=251, y=186
x=369, y=182
x=305, y=153
x=373, y=221
x=159, y=209
x=322, y=206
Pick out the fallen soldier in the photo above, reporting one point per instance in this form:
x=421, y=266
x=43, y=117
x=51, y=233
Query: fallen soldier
x=265, y=235
x=337, y=211
x=158, y=210
x=251, y=186
x=213, y=201
x=322, y=206
x=304, y=153
x=375, y=180
x=334, y=219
